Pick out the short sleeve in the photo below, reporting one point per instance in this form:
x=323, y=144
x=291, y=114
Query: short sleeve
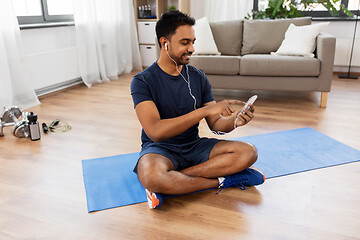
x=207, y=95
x=140, y=90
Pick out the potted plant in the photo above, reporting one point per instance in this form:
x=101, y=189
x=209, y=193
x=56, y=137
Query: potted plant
x=293, y=8
x=172, y=7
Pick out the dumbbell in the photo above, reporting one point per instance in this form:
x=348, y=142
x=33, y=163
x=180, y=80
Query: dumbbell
x=2, y=125
x=7, y=119
x=10, y=118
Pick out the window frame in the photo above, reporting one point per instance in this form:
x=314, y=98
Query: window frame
x=319, y=14
x=45, y=17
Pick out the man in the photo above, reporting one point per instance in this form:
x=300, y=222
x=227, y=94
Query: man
x=170, y=98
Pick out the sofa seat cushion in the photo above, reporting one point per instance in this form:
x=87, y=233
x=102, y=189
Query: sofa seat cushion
x=225, y=65
x=272, y=65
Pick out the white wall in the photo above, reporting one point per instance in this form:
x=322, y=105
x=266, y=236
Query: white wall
x=50, y=55
x=344, y=32
x=197, y=8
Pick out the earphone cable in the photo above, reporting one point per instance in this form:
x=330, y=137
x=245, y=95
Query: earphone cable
x=187, y=81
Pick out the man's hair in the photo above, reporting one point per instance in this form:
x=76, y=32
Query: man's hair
x=170, y=21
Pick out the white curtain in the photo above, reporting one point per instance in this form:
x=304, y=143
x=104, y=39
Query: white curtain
x=15, y=86
x=226, y=10
x=106, y=39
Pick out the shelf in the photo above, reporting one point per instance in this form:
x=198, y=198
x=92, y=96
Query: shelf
x=147, y=39
x=147, y=20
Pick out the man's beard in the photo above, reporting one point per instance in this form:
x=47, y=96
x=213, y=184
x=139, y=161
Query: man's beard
x=181, y=60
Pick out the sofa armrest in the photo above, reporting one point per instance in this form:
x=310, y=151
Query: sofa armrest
x=325, y=52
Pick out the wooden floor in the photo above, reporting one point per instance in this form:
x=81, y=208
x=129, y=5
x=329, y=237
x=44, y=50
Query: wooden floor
x=42, y=193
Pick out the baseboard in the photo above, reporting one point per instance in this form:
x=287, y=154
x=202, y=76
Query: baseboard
x=57, y=87
x=351, y=73
x=344, y=69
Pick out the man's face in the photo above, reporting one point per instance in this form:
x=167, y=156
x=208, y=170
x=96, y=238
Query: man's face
x=181, y=44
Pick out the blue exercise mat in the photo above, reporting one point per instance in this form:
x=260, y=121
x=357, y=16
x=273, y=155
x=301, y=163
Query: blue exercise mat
x=110, y=182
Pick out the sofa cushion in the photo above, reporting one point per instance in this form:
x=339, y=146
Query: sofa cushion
x=270, y=65
x=204, y=43
x=265, y=36
x=300, y=40
x=228, y=36
x=226, y=65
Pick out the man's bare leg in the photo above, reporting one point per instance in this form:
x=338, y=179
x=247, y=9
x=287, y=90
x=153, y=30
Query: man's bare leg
x=226, y=157
x=157, y=173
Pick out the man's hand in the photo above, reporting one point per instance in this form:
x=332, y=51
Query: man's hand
x=244, y=116
x=221, y=116
x=222, y=108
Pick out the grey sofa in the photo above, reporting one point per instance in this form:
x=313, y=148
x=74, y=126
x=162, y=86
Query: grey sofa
x=246, y=63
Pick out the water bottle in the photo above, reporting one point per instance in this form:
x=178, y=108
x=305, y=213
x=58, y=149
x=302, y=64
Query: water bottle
x=34, y=127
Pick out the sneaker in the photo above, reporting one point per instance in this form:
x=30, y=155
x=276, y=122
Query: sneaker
x=154, y=199
x=248, y=177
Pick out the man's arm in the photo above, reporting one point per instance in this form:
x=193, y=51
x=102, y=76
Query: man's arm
x=218, y=123
x=159, y=129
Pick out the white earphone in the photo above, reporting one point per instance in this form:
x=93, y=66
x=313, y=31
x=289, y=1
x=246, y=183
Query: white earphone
x=187, y=72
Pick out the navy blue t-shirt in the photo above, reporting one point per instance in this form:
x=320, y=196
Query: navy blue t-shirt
x=171, y=96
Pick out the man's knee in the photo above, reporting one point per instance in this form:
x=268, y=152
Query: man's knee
x=150, y=180
x=151, y=173
x=247, y=153
x=252, y=153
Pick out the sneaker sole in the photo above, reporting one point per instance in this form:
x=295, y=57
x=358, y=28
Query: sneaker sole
x=256, y=169
x=152, y=199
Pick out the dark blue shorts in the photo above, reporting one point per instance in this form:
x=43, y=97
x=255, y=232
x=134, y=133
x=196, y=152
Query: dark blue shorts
x=182, y=155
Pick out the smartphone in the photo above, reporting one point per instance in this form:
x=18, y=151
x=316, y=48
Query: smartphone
x=249, y=102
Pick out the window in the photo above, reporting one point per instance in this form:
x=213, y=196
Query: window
x=318, y=11
x=353, y=5
x=43, y=11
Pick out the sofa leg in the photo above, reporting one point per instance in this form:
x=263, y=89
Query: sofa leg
x=323, y=100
